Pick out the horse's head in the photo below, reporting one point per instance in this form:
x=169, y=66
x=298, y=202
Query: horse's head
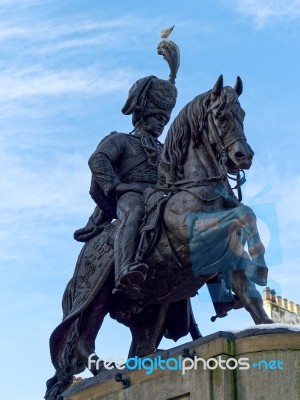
x=212, y=123
x=225, y=131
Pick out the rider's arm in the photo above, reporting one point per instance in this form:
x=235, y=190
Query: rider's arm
x=104, y=160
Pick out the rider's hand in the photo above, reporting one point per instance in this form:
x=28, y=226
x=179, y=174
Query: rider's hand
x=86, y=233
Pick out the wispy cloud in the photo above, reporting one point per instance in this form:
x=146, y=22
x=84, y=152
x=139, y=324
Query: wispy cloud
x=264, y=12
x=105, y=32
x=23, y=187
x=37, y=81
x=49, y=68
x=42, y=51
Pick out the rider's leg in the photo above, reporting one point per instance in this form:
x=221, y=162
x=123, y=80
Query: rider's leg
x=130, y=212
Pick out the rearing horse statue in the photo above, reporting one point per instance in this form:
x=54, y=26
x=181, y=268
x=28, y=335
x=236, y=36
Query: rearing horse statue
x=202, y=230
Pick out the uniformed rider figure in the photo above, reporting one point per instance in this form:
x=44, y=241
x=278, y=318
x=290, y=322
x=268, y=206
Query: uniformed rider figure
x=124, y=165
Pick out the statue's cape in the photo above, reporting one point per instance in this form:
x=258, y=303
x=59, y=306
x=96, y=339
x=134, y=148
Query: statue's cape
x=89, y=275
x=94, y=265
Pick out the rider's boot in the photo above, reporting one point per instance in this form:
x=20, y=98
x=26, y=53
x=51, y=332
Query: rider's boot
x=128, y=271
x=134, y=273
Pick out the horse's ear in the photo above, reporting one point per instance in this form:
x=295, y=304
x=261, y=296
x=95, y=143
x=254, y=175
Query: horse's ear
x=217, y=89
x=238, y=87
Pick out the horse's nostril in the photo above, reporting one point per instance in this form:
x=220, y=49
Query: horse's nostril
x=239, y=154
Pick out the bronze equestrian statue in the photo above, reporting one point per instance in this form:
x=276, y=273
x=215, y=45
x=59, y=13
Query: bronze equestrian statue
x=193, y=229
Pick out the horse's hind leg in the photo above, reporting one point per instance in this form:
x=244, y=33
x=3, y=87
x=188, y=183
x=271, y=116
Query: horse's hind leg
x=249, y=297
x=85, y=347
x=146, y=328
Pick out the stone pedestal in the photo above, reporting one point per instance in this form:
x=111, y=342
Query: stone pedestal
x=269, y=354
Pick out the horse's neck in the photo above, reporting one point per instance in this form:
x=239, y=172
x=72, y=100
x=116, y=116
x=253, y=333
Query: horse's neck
x=199, y=164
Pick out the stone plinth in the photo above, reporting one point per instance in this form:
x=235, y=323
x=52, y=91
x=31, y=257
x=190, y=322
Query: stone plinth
x=271, y=352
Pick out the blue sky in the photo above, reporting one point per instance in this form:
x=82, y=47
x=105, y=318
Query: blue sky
x=65, y=71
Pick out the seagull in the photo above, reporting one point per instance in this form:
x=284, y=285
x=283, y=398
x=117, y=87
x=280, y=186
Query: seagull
x=165, y=33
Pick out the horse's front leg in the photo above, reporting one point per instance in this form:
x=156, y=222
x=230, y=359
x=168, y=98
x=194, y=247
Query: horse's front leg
x=249, y=297
x=257, y=269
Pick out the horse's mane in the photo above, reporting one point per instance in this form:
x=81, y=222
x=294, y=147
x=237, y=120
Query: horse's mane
x=188, y=125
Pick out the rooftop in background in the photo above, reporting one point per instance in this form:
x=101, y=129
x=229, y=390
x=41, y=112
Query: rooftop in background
x=280, y=309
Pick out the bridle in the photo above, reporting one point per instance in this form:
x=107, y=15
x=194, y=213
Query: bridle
x=221, y=147
x=220, y=161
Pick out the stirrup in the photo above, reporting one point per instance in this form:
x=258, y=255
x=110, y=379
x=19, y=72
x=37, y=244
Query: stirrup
x=135, y=274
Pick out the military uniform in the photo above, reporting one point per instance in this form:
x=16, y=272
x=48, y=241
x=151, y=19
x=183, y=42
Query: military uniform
x=124, y=165
x=122, y=158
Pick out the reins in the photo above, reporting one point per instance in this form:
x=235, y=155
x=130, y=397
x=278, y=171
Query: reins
x=240, y=180
x=222, y=158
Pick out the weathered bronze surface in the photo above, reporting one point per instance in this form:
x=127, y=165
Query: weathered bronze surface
x=166, y=223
